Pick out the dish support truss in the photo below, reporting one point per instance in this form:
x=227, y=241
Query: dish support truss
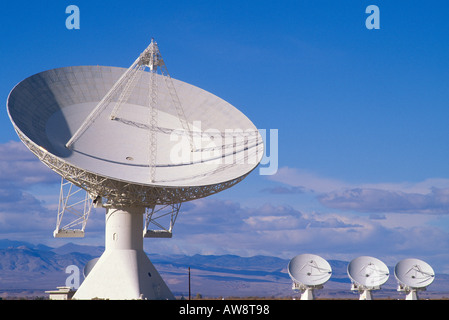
x=78, y=204
x=364, y=291
x=156, y=216
x=122, y=193
x=108, y=192
x=74, y=201
x=307, y=292
x=151, y=58
x=410, y=292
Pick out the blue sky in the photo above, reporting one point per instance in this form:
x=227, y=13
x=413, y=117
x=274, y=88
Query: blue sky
x=361, y=117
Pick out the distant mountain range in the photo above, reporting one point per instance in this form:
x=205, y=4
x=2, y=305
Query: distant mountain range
x=30, y=270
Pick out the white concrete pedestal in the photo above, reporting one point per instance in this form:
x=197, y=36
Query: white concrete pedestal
x=124, y=271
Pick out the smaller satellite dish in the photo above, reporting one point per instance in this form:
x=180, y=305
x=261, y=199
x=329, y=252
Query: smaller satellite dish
x=89, y=266
x=367, y=274
x=308, y=272
x=413, y=275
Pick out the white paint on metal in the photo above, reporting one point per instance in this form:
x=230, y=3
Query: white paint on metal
x=308, y=272
x=133, y=140
x=48, y=107
x=124, y=271
x=413, y=275
x=367, y=274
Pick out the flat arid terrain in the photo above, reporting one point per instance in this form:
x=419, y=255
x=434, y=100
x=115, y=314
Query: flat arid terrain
x=27, y=271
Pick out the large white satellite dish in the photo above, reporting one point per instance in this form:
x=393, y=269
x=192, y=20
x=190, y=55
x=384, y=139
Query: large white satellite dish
x=413, y=275
x=308, y=272
x=367, y=274
x=137, y=141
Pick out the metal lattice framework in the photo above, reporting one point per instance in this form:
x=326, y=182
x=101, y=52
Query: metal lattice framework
x=121, y=192
x=161, y=197
x=72, y=201
x=157, y=216
x=122, y=137
x=151, y=58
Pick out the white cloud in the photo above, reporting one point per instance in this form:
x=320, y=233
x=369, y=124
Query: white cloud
x=286, y=236
x=29, y=196
x=22, y=212
x=430, y=196
x=285, y=231
x=377, y=200
x=215, y=226
x=307, y=180
x=18, y=166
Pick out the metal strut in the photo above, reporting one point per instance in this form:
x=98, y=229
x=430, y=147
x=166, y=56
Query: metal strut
x=153, y=123
x=129, y=86
x=418, y=273
x=124, y=79
x=154, y=217
x=151, y=58
x=73, y=202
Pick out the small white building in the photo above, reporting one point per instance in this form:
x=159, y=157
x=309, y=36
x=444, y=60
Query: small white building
x=63, y=293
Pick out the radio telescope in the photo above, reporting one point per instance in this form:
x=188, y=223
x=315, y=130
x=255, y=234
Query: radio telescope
x=367, y=274
x=413, y=275
x=308, y=272
x=139, y=143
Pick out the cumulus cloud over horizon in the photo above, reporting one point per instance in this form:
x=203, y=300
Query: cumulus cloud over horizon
x=218, y=225
x=377, y=200
x=26, y=207
x=225, y=227
x=20, y=167
x=426, y=197
x=226, y=215
x=20, y=210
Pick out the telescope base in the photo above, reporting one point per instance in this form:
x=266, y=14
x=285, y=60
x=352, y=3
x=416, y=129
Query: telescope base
x=124, y=271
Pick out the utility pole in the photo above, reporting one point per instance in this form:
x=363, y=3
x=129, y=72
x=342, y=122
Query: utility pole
x=189, y=284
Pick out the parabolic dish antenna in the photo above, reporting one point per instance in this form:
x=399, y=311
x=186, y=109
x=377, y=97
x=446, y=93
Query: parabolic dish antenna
x=308, y=272
x=413, y=275
x=134, y=139
x=367, y=274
